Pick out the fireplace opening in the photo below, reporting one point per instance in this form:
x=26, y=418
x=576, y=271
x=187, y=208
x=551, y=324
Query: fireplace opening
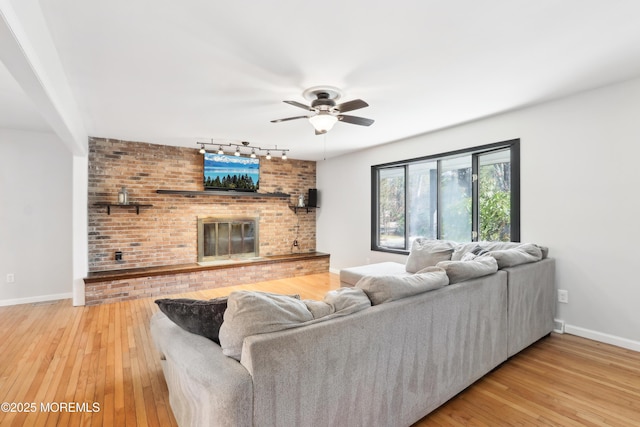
x=227, y=239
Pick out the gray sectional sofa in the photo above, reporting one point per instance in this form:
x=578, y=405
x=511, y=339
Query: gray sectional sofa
x=386, y=365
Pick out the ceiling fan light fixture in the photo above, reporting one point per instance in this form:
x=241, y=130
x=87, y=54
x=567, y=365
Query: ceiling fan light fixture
x=323, y=122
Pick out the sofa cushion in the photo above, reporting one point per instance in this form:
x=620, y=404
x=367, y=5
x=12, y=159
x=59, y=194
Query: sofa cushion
x=381, y=289
x=524, y=253
x=351, y=275
x=459, y=271
x=478, y=248
x=251, y=312
x=462, y=250
x=342, y=301
x=427, y=253
x=199, y=317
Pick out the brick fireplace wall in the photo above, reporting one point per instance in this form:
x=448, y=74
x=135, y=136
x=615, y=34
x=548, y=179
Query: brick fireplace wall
x=166, y=233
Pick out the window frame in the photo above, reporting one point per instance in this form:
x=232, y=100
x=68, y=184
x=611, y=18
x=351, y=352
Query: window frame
x=513, y=145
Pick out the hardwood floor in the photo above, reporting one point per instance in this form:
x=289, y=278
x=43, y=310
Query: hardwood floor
x=100, y=362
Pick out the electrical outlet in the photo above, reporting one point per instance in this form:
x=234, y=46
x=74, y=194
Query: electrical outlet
x=563, y=296
x=11, y=278
x=558, y=326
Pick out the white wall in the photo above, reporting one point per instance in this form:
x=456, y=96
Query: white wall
x=580, y=185
x=35, y=217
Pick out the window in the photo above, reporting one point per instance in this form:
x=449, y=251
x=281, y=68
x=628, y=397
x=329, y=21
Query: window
x=466, y=195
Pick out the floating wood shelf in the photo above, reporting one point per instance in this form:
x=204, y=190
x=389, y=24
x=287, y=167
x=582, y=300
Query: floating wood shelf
x=117, y=205
x=296, y=208
x=229, y=193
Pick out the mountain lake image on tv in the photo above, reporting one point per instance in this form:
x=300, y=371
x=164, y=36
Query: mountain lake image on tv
x=227, y=172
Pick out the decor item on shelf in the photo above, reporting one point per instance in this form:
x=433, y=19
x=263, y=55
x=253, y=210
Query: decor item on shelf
x=301, y=201
x=255, y=150
x=327, y=112
x=123, y=196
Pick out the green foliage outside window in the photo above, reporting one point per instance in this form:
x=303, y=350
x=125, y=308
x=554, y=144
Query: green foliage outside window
x=495, y=202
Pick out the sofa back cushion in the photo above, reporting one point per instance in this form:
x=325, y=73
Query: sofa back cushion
x=463, y=249
x=522, y=254
x=459, y=271
x=381, y=289
x=427, y=253
x=338, y=302
x=249, y=313
x=253, y=313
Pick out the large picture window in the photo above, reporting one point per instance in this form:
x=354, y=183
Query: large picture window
x=465, y=196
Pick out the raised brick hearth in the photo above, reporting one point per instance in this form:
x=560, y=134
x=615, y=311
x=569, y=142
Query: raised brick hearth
x=123, y=285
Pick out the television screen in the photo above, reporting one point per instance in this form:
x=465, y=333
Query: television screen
x=228, y=172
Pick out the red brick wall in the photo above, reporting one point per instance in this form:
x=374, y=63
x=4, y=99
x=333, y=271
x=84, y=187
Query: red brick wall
x=166, y=234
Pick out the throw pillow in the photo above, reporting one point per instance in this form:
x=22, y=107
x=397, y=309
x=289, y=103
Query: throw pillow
x=427, y=253
x=196, y=316
x=459, y=271
x=251, y=313
x=522, y=254
x=381, y=289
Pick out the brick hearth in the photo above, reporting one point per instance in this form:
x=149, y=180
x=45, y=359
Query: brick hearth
x=122, y=285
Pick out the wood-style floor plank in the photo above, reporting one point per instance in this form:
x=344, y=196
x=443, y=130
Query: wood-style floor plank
x=53, y=353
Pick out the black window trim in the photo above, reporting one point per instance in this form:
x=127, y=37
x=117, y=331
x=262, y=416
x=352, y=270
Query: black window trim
x=513, y=145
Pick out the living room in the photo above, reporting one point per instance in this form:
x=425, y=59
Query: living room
x=577, y=170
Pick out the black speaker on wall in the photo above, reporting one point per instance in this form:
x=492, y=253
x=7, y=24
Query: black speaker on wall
x=313, y=198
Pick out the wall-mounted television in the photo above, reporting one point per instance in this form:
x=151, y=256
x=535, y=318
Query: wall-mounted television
x=228, y=172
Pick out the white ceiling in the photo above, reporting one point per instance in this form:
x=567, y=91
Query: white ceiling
x=177, y=72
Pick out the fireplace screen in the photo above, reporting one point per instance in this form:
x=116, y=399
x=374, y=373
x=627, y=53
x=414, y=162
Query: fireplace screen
x=223, y=239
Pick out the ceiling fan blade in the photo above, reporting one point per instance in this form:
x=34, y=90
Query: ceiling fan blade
x=299, y=105
x=351, y=105
x=355, y=120
x=289, y=118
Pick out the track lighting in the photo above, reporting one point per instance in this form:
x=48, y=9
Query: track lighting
x=255, y=150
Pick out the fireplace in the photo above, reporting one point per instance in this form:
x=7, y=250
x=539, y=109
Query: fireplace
x=227, y=239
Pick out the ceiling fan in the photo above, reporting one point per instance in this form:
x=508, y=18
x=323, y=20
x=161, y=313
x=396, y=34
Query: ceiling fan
x=327, y=111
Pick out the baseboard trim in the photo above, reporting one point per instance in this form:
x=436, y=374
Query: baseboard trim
x=334, y=270
x=31, y=300
x=602, y=337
